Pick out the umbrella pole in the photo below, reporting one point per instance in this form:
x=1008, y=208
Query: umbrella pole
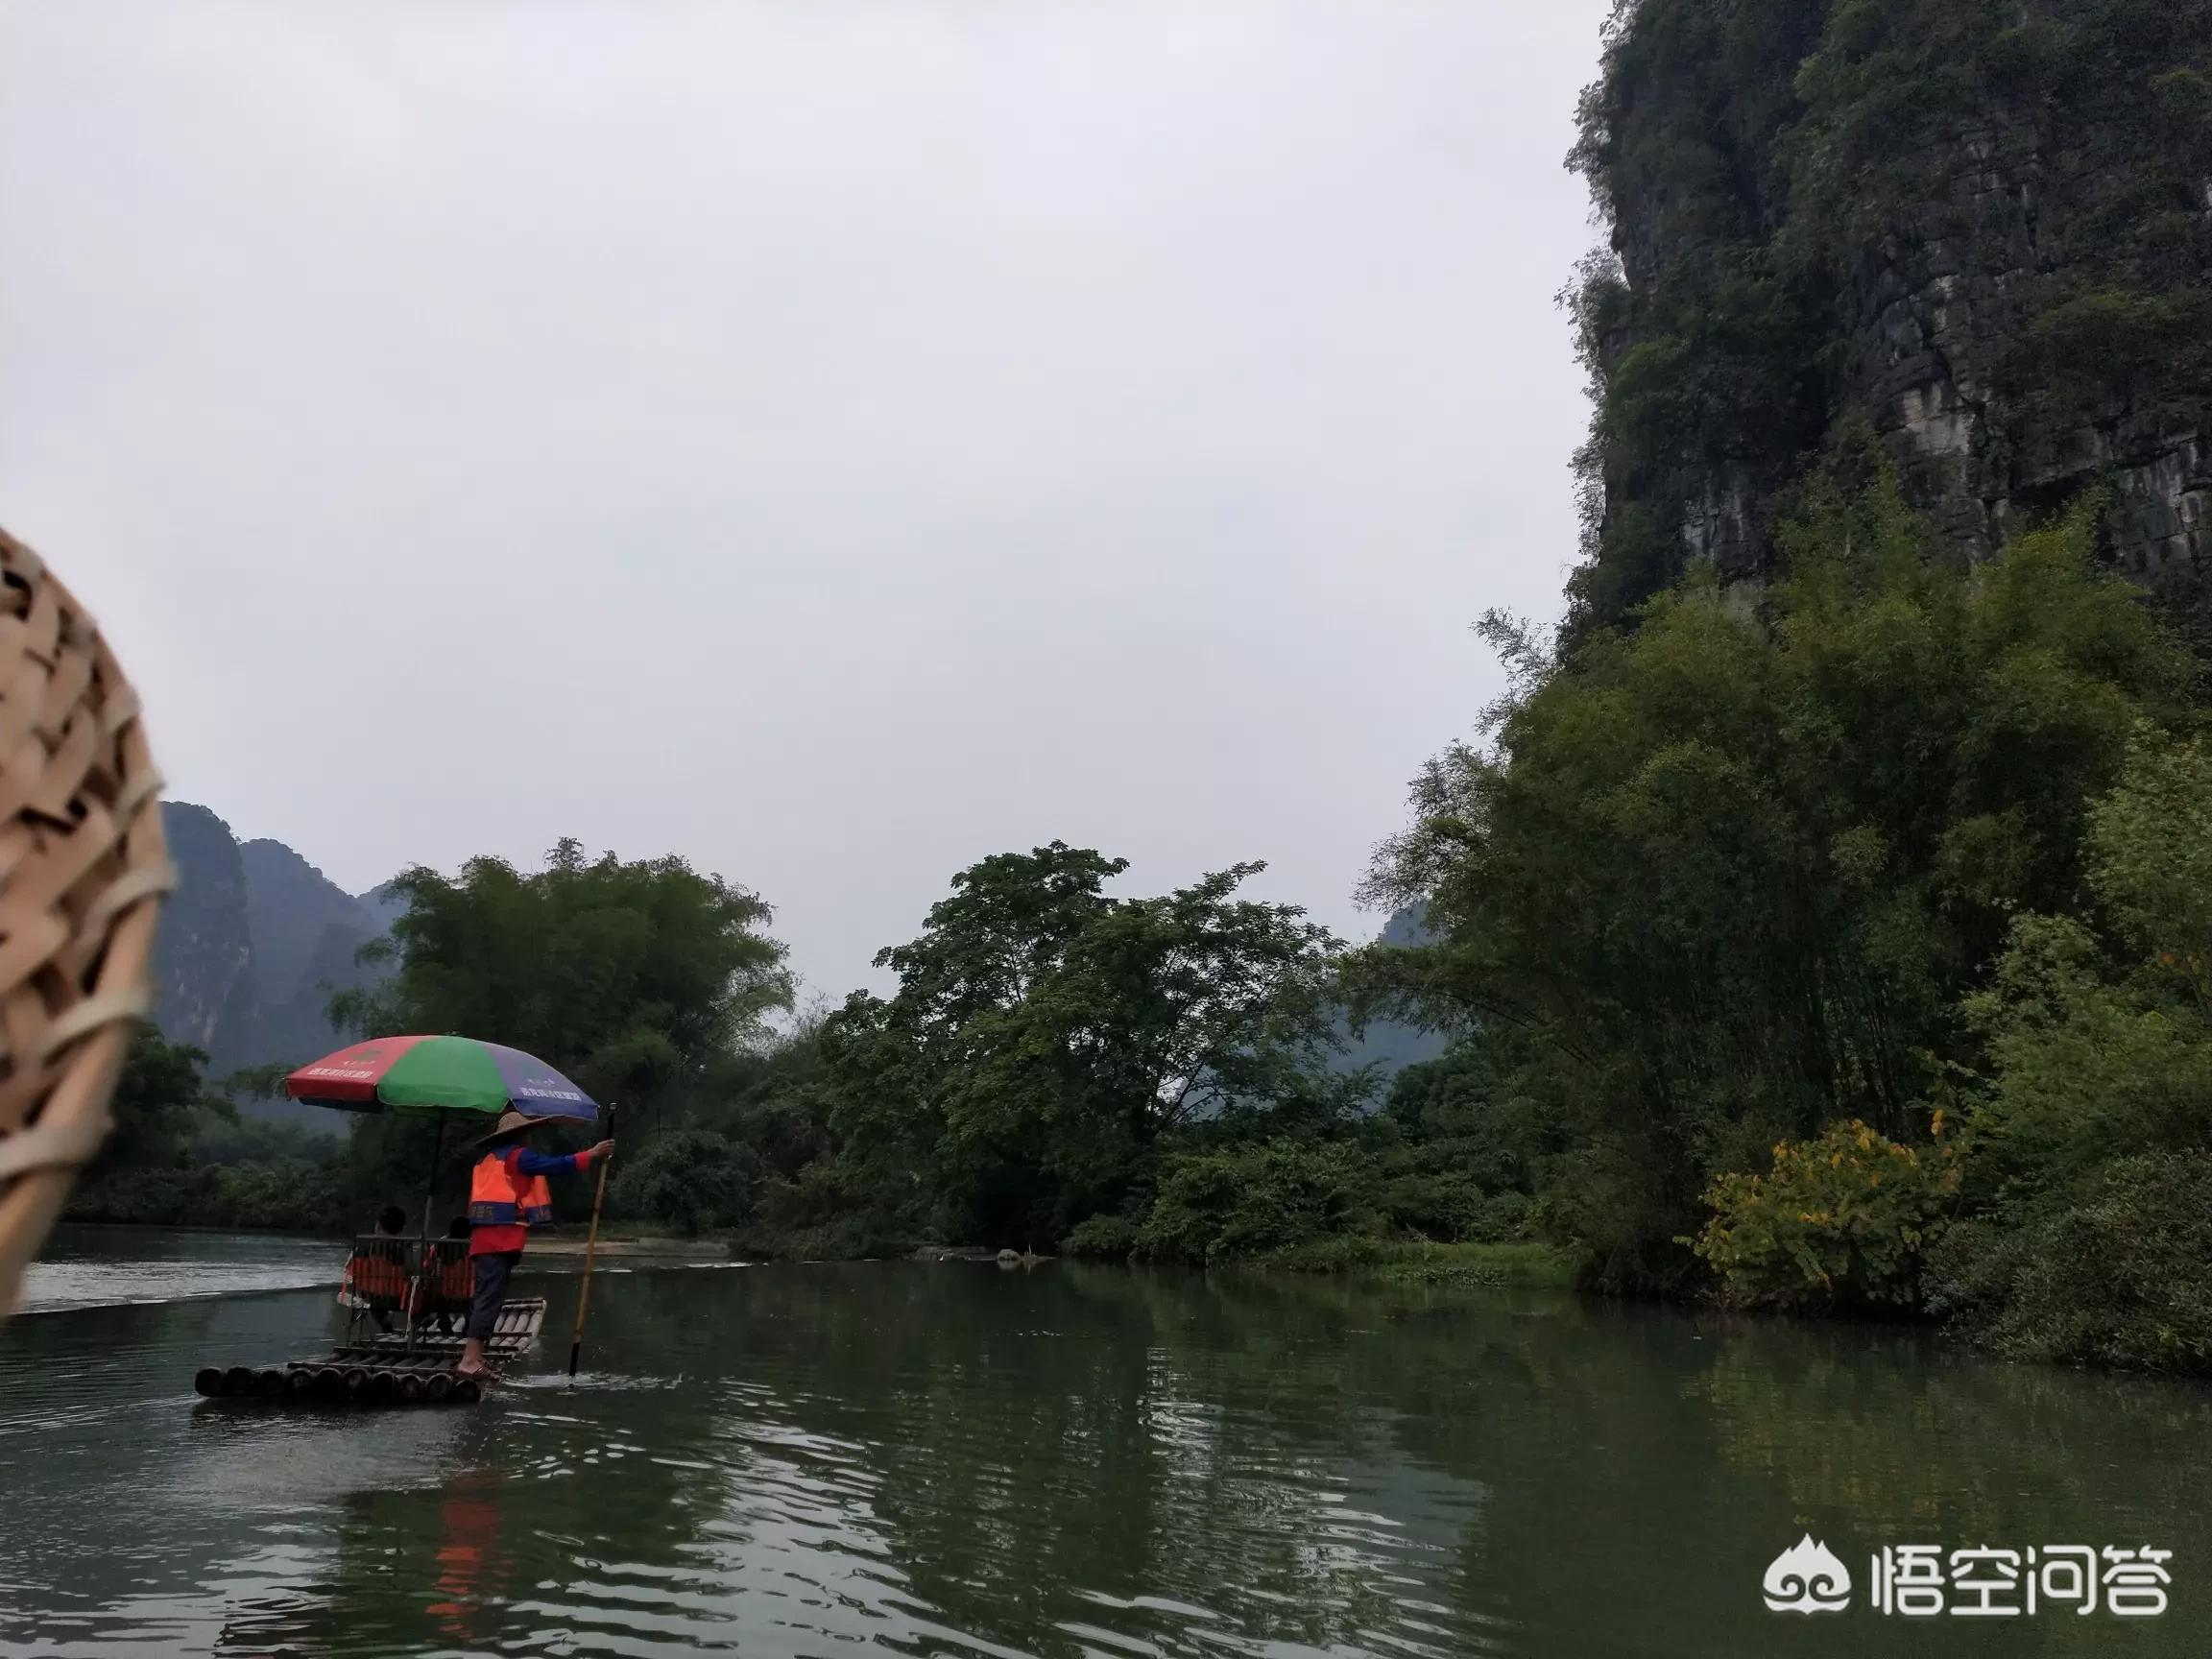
x=591, y=1249
x=430, y=1188
x=422, y=1251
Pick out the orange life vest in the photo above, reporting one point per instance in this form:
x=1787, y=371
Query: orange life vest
x=500, y=1195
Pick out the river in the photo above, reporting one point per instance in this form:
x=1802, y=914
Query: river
x=960, y=1459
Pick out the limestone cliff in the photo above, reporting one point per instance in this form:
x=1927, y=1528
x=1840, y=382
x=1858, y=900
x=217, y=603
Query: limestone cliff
x=203, y=955
x=306, y=932
x=1982, y=232
x=251, y=945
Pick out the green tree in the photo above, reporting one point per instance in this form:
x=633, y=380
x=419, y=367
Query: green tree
x=634, y=979
x=689, y=1181
x=2099, y=1025
x=1045, y=1034
x=2113, y=1274
x=1453, y=1106
x=1724, y=880
x=775, y=1098
x=642, y=980
x=161, y=1106
x=180, y=1154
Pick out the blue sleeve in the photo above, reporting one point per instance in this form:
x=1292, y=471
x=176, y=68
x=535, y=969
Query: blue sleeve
x=531, y=1163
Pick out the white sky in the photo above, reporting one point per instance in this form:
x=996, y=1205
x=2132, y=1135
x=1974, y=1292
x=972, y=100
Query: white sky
x=831, y=440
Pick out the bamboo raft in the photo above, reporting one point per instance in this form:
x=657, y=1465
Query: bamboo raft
x=380, y=1369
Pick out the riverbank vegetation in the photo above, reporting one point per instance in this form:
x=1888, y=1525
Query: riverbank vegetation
x=1839, y=951
x=1841, y=948
x=1824, y=933
x=182, y=1156
x=1847, y=946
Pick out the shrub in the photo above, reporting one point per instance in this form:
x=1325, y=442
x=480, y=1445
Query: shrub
x=2084, y=1060
x=827, y=1212
x=1250, y=1199
x=690, y=1181
x=290, y=1195
x=287, y=1195
x=2114, y=1276
x=1266, y=1198
x=1111, y=1237
x=1503, y=1219
x=1840, y=1220
x=863, y=1235
x=1438, y=1203
x=2100, y=1037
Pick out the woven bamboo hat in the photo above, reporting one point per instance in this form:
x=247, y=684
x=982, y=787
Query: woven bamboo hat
x=514, y=1125
x=82, y=868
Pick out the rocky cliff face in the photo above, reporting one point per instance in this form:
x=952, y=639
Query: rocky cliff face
x=306, y=932
x=251, y=945
x=1953, y=347
x=289, y=906
x=1983, y=234
x=206, y=994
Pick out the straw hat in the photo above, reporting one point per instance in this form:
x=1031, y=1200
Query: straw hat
x=82, y=868
x=512, y=1125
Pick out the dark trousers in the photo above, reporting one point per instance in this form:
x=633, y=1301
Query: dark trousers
x=493, y=1269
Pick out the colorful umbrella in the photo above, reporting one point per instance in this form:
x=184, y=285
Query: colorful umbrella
x=434, y=1074
x=442, y=1074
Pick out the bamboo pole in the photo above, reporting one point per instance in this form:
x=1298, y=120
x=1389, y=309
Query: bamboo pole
x=591, y=1249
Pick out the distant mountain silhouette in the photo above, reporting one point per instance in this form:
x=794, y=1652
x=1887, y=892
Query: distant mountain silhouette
x=1386, y=1042
x=256, y=939
x=250, y=948
x=305, y=931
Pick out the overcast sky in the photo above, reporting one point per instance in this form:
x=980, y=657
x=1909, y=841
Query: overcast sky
x=831, y=440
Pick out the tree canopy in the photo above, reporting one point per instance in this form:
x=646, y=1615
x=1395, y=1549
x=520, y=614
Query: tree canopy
x=1045, y=1033
x=162, y=1105
x=633, y=977
x=1725, y=878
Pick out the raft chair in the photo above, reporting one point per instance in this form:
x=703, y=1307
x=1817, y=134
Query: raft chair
x=448, y=1291
x=381, y=1277
x=82, y=868
x=376, y=1278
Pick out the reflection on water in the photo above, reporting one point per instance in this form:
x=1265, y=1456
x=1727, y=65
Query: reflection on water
x=950, y=1459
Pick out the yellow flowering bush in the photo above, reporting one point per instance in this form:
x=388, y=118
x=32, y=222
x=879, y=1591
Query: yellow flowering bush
x=1840, y=1220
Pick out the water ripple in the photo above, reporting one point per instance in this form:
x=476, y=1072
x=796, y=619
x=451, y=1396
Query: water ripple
x=1059, y=1465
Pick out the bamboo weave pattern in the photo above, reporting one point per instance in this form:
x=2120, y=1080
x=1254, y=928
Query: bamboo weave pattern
x=82, y=868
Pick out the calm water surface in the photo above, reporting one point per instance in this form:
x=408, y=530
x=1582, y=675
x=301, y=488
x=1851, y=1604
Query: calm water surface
x=954, y=1459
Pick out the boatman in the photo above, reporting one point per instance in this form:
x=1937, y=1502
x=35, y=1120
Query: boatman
x=508, y=1196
